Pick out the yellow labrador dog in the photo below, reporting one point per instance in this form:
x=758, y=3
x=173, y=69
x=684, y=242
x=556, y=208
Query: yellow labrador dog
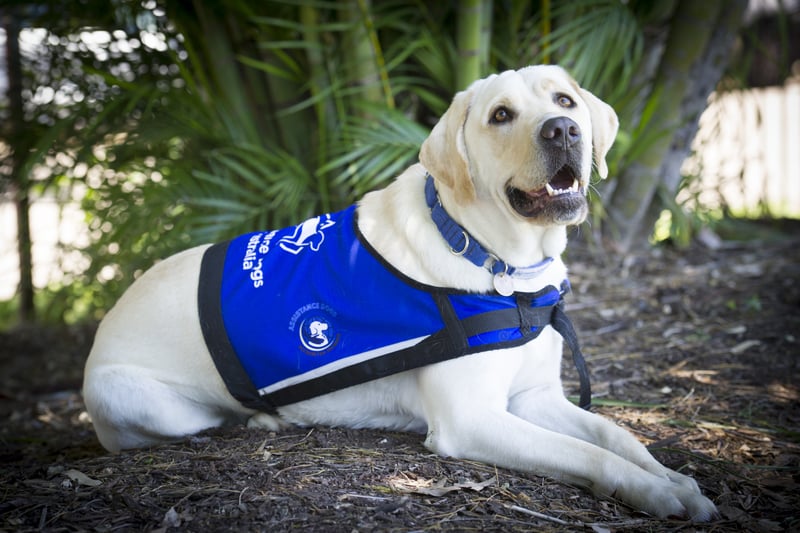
x=468, y=242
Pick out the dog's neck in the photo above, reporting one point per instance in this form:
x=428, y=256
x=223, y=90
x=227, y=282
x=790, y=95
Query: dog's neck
x=502, y=234
x=464, y=244
x=397, y=222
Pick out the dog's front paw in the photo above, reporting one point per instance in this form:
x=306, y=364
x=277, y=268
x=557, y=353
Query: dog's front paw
x=682, y=480
x=696, y=507
x=665, y=494
x=674, y=499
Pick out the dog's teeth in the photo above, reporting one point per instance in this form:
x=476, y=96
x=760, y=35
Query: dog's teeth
x=575, y=187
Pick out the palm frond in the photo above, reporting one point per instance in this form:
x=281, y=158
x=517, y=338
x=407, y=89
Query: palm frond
x=373, y=150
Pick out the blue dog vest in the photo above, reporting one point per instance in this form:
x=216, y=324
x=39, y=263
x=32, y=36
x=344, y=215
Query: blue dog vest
x=299, y=312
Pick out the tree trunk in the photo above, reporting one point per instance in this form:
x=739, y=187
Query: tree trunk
x=703, y=78
x=19, y=180
x=683, y=82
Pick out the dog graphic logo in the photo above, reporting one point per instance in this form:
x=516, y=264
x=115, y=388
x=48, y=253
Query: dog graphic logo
x=309, y=234
x=316, y=334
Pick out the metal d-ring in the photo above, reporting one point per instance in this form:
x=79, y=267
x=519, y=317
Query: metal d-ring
x=505, y=268
x=466, y=245
x=491, y=261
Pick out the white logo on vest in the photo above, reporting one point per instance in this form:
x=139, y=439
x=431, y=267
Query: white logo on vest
x=316, y=335
x=315, y=328
x=309, y=234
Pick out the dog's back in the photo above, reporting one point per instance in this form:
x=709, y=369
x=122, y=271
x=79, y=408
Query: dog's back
x=153, y=332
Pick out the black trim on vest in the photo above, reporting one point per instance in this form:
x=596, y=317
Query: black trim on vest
x=222, y=352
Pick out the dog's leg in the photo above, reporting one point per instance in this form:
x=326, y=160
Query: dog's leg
x=131, y=409
x=551, y=410
x=471, y=421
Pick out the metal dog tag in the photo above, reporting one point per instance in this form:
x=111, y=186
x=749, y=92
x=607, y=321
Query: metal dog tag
x=503, y=284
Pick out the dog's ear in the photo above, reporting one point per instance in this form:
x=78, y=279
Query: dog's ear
x=444, y=152
x=604, y=129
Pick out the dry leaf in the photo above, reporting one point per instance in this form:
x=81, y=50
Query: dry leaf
x=429, y=488
x=744, y=346
x=82, y=479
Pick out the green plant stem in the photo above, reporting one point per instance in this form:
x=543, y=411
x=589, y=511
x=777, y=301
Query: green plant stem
x=546, y=29
x=468, y=43
x=310, y=19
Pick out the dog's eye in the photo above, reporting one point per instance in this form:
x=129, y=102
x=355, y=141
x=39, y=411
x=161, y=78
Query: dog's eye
x=501, y=115
x=564, y=101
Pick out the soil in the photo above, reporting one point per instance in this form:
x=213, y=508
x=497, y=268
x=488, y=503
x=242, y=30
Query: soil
x=694, y=351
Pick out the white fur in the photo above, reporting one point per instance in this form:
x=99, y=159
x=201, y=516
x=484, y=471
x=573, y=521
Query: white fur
x=150, y=378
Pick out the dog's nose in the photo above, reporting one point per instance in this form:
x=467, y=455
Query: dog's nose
x=561, y=132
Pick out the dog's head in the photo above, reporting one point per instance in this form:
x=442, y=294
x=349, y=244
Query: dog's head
x=526, y=138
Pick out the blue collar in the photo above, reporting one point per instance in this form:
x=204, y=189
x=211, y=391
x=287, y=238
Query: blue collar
x=462, y=243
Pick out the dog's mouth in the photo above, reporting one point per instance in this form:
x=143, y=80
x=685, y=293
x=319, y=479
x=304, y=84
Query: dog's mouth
x=561, y=193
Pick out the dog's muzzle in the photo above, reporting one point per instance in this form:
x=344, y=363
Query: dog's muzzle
x=561, y=197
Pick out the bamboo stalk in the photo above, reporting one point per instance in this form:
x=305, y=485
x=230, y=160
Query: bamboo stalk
x=309, y=17
x=468, y=41
x=546, y=28
x=378, y=64
x=226, y=77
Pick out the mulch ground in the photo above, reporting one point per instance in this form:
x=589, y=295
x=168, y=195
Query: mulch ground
x=694, y=351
